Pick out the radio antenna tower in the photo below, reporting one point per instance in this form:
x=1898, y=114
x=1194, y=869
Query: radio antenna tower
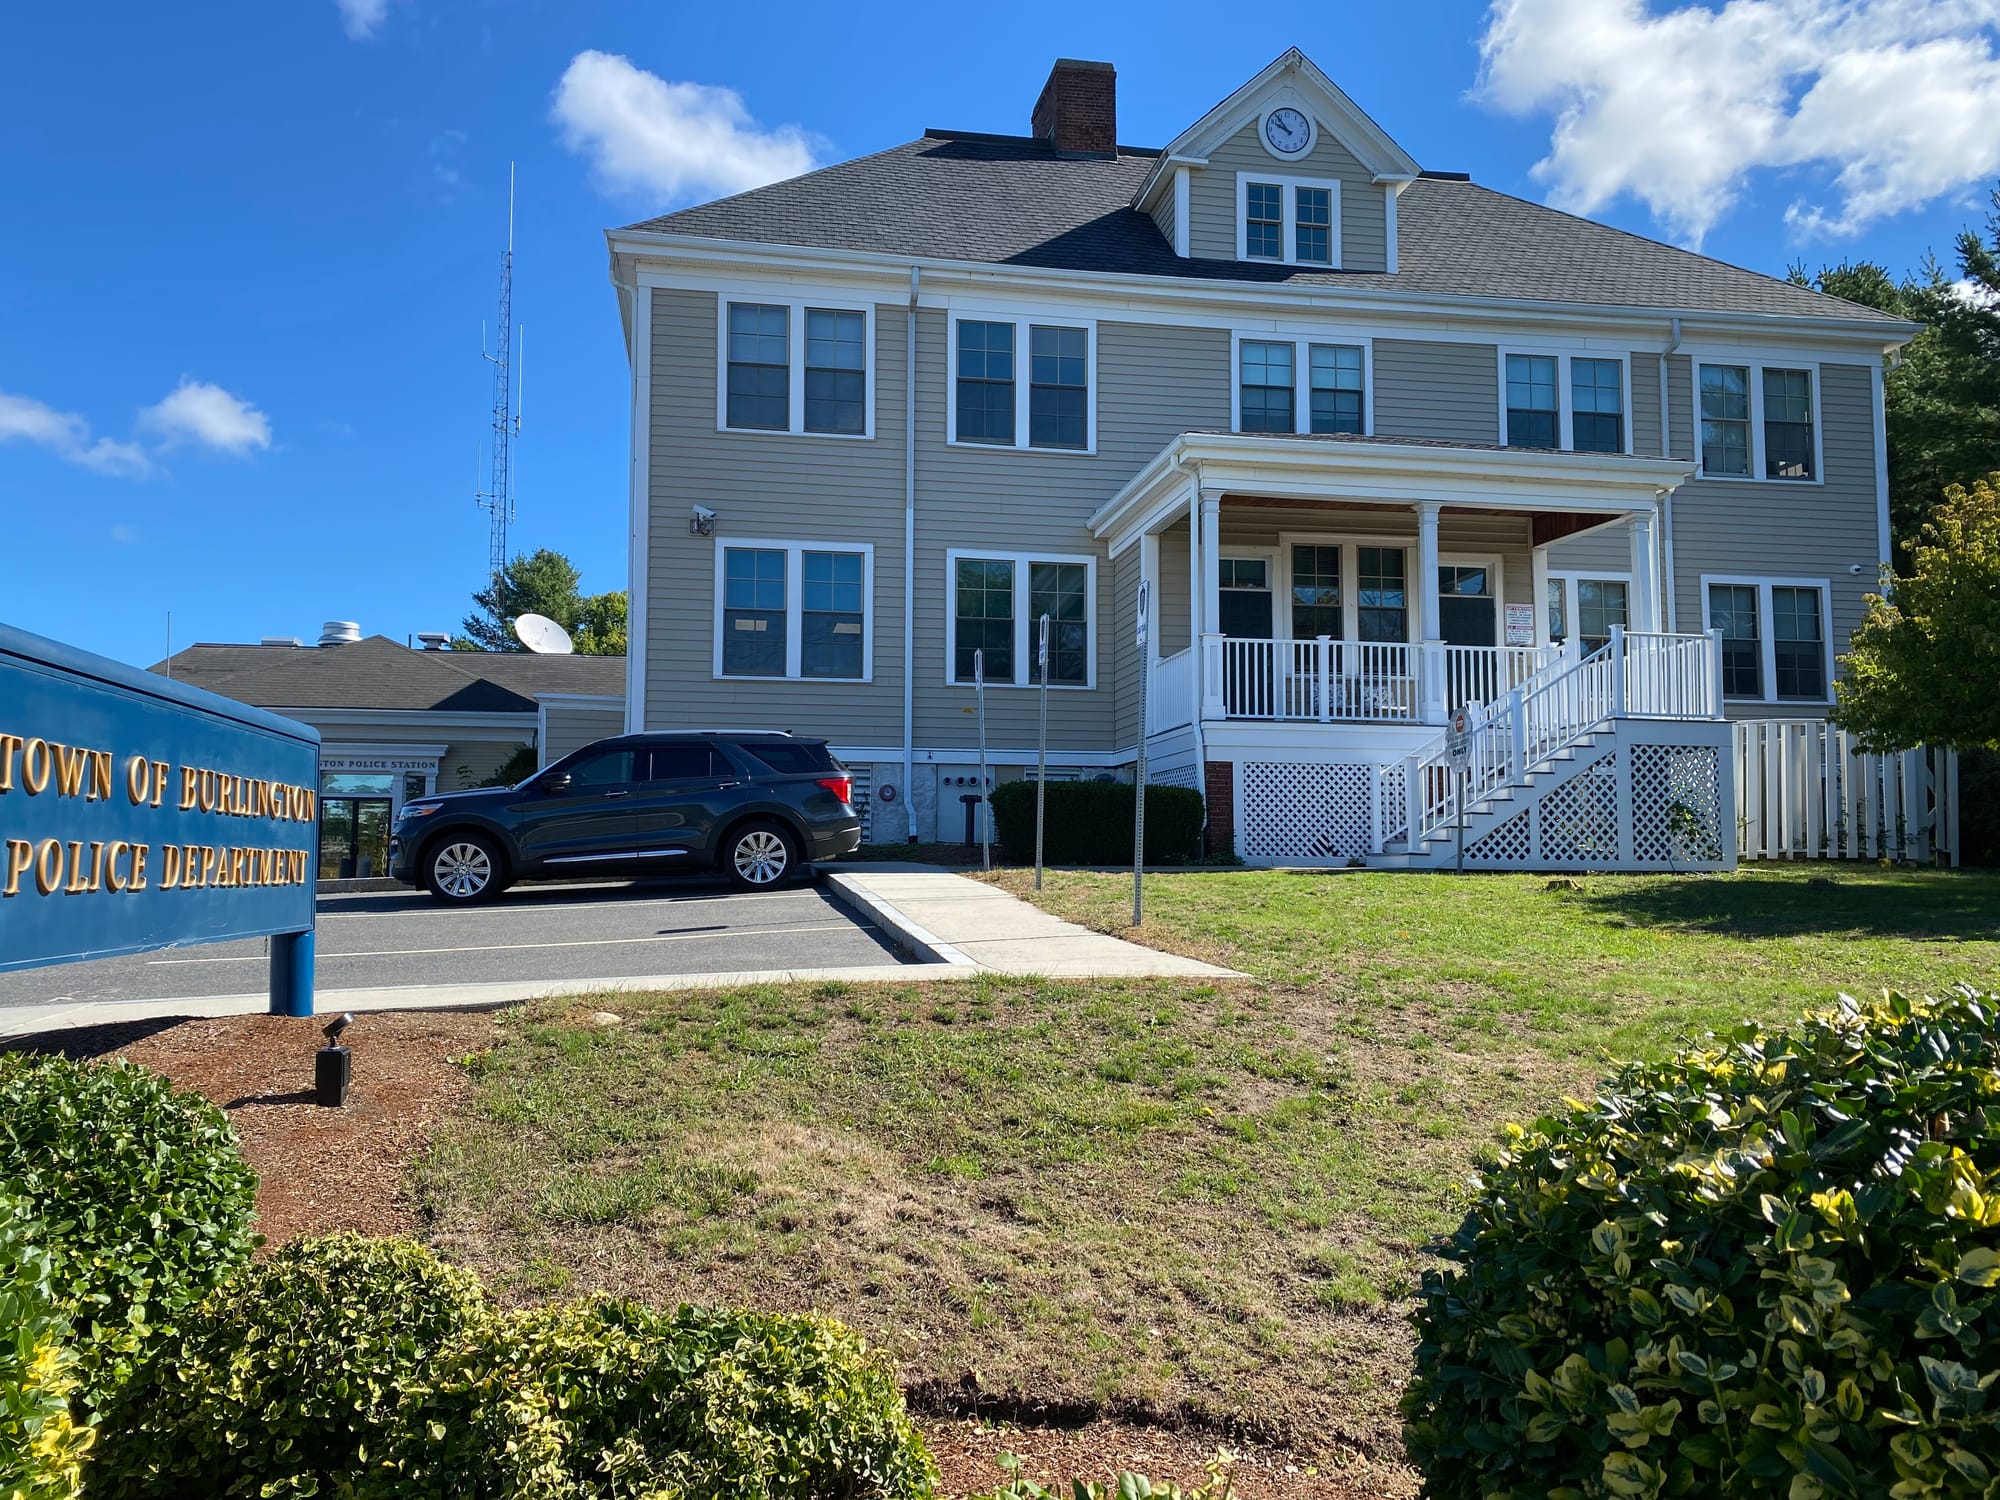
x=497, y=500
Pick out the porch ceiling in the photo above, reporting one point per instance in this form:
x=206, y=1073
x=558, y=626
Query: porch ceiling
x=1572, y=491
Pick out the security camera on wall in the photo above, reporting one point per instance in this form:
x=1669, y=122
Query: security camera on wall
x=703, y=523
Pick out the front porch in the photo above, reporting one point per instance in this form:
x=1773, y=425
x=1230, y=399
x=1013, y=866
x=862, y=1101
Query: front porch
x=1322, y=611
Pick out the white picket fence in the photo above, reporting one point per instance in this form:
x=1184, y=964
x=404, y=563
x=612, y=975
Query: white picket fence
x=1804, y=791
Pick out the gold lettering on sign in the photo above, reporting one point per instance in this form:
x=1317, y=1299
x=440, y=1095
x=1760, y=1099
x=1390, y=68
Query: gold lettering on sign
x=35, y=766
x=10, y=747
x=48, y=866
x=170, y=867
x=20, y=855
x=160, y=769
x=187, y=788
x=138, y=776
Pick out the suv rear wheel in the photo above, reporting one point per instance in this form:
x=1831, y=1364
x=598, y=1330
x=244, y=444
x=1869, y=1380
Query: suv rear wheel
x=760, y=855
x=462, y=869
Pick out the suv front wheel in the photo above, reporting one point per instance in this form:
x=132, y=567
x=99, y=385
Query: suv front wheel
x=760, y=855
x=463, y=869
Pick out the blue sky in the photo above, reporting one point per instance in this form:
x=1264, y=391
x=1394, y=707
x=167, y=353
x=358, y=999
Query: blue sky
x=246, y=248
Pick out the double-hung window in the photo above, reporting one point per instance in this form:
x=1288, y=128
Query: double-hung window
x=1534, y=420
x=992, y=405
x=796, y=367
x=1298, y=385
x=1336, y=388
x=1597, y=405
x=1589, y=606
x=1315, y=591
x=1757, y=421
x=1293, y=221
x=997, y=603
x=793, y=609
x=1774, y=637
x=1267, y=386
x=1566, y=401
x=1382, y=602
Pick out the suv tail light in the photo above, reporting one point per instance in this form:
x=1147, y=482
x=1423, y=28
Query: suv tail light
x=841, y=786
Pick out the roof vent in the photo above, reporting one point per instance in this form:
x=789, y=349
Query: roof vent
x=435, y=640
x=1078, y=110
x=339, y=633
x=281, y=640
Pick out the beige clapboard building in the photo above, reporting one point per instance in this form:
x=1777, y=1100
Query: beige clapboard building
x=1384, y=449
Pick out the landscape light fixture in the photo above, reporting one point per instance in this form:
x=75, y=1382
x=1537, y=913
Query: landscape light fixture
x=333, y=1065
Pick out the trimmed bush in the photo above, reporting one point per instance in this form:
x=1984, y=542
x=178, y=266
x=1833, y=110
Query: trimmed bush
x=613, y=1398
x=143, y=1197
x=287, y=1380
x=41, y=1446
x=1090, y=823
x=1767, y=1267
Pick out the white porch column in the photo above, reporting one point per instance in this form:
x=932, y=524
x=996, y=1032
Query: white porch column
x=1539, y=562
x=1205, y=549
x=1431, y=651
x=1645, y=574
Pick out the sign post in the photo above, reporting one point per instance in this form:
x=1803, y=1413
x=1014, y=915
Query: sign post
x=1042, y=750
x=1459, y=746
x=1139, y=769
x=139, y=813
x=984, y=805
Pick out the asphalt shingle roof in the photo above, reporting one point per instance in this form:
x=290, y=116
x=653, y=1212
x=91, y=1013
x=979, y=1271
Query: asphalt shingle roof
x=377, y=672
x=1008, y=200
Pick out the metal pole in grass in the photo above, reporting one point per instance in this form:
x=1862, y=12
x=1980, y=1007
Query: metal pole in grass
x=985, y=801
x=1139, y=769
x=1042, y=750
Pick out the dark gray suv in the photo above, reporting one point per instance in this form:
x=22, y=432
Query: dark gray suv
x=758, y=807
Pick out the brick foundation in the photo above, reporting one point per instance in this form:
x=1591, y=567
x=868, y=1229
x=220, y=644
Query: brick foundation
x=1218, y=786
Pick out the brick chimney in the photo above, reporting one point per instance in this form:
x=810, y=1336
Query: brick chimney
x=1078, y=110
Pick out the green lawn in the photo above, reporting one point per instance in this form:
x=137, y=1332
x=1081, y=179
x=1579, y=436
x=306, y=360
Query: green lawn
x=1167, y=1196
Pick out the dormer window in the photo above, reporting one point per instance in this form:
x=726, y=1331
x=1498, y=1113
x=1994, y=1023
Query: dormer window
x=1293, y=221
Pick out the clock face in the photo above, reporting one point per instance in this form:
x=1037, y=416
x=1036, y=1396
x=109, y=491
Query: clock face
x=1288, y=131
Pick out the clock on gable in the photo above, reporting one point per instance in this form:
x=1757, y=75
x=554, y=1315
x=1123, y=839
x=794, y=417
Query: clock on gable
x=1288, y=132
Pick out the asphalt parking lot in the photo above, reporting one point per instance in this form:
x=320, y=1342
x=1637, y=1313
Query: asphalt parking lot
x=680, y=925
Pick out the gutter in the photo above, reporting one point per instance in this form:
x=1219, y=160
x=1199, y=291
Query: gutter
x=910, y=557
x=1667, y=496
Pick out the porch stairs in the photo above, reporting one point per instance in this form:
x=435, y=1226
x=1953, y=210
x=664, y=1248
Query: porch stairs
x=1607, y=762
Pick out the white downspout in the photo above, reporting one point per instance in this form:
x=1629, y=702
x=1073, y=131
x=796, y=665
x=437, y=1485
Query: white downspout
x=1668, y=585
x=910, y=560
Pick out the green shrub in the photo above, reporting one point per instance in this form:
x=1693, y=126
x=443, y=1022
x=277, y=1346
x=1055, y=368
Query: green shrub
x=288, y=1376
x=1767, y=1267
x=143, y=1196
x=613, y=1398
x=41, y=1446
x=1090, y=822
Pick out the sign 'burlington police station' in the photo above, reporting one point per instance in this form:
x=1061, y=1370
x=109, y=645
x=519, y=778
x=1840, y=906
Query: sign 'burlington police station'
x=136, y=813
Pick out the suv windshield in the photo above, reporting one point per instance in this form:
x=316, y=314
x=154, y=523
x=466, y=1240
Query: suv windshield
x=788, y=757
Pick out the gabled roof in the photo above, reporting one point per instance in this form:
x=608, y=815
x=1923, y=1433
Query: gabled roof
x=379, y=673
x=1012, y=200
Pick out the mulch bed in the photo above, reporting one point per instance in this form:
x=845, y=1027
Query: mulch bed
x=321, y=1170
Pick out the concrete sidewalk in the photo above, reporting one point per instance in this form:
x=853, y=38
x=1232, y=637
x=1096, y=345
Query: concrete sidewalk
x=938, y=918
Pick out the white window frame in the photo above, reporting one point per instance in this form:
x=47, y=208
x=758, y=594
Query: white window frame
x=1301, y=373
x=795, y=355
x=795, y=603
x=1565, y=394
x=1757, y=367
x=1288, y=238
x=1350, y=544
x=1024, y=642
x=1569, y=578
x=1767, y=636
x=1023, y=322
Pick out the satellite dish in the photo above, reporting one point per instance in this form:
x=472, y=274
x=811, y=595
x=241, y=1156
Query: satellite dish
x=543, y=636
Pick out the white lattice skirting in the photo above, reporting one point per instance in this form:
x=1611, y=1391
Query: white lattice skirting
x=1311, y=814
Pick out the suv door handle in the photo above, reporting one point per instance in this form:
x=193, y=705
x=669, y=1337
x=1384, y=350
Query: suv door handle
x=617, y=794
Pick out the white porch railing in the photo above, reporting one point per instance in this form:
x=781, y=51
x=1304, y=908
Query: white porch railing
x=1644, y=676
x=1480, y=674
x=1173, y=699
x=1325, y=680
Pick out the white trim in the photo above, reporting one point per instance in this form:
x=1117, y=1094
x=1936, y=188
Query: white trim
x=1302, y=343
x=1767, y=641
x=1263, y=127
x=1288, y=242
x=1183, y=211
x=796, y=305
x=1885, y=540
x=1391, y=191
x=1565, y=392
x=1497, y=565
x=1569, y=578
x=582, y=700
x=794, y=604
x=961, y=755
x=1756, y=367
x=1023, y=321
x=458, y=724
x=1276, y=575
x=1023, y=649
x=639, y=553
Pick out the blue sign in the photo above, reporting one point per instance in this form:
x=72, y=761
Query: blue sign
x=137, y=813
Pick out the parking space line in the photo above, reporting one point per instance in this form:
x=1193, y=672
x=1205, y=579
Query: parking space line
x=665, y=937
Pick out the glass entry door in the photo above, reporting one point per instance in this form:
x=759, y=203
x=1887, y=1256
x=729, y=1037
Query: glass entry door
x=353, y=837
x=1244, y=610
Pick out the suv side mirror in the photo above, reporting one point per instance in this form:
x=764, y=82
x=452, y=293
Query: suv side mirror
x=554, y=786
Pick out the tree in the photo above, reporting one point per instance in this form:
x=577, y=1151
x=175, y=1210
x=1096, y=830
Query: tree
x=544, y=582
x=1924, y=666
x=1941, y=399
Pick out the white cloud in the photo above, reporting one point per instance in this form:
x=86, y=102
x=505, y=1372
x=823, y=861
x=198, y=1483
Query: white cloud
x=1894, y=102
x=359, y=18
x=198, y=412
x=124, y=535
x=647, y=138
x=67, y=435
